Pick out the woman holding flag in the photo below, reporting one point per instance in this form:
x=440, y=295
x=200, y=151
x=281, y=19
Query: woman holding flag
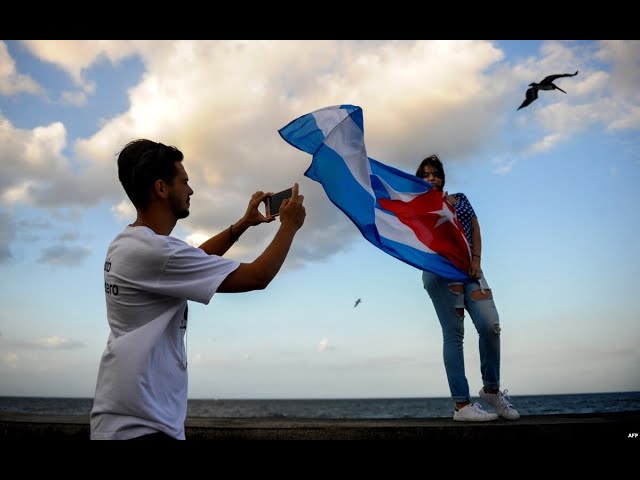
x=416, y=223
x=451, y=298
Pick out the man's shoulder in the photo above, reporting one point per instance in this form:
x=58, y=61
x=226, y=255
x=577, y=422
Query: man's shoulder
x=142, y=242
x=144, y=234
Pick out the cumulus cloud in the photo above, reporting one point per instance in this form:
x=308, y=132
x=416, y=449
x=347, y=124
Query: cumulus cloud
x=36, y=172
x=30, y=158
x=124, y=210
x=12, y=82
x=228, y=131
x=64, y=255
x=75, y=56
x=624, y=57
x=222, y=102
x=197, y=238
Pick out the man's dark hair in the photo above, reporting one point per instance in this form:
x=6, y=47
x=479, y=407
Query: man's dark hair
x=433, y=161
x=142, y=162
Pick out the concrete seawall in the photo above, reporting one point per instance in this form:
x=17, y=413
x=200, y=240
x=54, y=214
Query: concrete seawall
x=596, y=427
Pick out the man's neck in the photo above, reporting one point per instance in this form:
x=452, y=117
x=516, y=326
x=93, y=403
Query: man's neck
x=161, y=223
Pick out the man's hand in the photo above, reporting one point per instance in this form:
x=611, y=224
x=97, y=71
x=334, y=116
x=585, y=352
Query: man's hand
x=292, y=212
x=253, y=216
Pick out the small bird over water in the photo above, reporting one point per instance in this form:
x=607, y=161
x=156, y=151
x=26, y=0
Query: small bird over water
x=546, y=84
x=358, y=301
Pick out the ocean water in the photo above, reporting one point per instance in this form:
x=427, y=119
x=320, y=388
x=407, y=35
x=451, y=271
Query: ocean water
x=345, y=408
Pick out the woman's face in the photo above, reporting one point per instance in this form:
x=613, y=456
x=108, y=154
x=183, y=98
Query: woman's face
x=430, y=174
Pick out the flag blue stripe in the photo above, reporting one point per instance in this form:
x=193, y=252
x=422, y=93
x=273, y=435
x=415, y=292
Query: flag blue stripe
x=397, y=179
x=436, y=263
x=329, y=168
x=305, y=130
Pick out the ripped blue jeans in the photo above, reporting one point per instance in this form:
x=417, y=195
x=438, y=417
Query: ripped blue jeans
x=450, y=299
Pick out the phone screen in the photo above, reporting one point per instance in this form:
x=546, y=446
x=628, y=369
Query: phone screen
x=275, y=201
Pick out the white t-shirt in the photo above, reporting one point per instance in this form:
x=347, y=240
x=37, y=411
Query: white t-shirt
x=142, y=380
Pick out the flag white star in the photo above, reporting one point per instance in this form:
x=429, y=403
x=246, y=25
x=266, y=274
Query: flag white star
x=446, y=215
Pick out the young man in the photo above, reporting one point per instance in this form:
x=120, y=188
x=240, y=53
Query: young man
x=141, y=391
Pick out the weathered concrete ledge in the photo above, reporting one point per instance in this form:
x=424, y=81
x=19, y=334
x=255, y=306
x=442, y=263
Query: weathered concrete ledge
x=575, y=427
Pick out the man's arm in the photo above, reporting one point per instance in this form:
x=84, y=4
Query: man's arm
x=259, y=273
x=220, y=243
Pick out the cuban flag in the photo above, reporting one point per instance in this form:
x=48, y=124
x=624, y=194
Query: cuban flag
x=397, y=212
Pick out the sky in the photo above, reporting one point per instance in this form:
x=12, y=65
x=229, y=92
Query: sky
x=553, y=185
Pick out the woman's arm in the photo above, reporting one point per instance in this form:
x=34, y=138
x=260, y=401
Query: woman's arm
x=476, y=250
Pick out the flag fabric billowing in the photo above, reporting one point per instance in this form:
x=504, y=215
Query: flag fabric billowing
x=397, y=212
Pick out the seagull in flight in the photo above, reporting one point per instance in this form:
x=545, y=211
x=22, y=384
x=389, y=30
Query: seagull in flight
x=358, y=301
x=546, y=84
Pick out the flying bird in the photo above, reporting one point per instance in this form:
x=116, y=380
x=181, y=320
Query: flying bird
x=546, y=84
x=358, y=301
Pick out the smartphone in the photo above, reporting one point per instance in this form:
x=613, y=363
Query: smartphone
x=275, y=201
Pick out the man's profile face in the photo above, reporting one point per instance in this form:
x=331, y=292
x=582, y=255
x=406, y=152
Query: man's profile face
x=180, y=192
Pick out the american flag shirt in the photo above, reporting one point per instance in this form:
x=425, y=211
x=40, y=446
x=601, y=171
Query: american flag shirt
x=464, y=212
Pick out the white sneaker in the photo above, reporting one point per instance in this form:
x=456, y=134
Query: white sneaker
x=473, y=413
x=499, y=401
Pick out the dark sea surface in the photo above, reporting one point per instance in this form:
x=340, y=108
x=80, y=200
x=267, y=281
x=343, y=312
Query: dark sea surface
x=346, y=408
